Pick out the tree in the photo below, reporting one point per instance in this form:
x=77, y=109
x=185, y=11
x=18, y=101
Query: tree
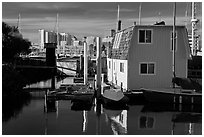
x=13, y=43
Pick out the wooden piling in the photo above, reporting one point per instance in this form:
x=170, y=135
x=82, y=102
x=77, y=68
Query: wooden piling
x=98, y=63
x=85, y=63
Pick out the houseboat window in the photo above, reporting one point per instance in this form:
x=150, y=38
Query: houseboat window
x=121, y=67
x=145, y=36
x=151, y=68
x=143, y=69
x=141, y=36
x=148, y=36
x=147, y=68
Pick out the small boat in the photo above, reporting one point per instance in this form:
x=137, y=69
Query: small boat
x=114, y=97
x=173, y=95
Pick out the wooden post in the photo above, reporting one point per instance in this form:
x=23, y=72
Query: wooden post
x=46, y=92
x=53, y=82
x=102, y=82
x=98, y=63
x=81, y=66
x=85, y=63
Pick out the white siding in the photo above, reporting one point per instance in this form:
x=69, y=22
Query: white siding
x=114, y=75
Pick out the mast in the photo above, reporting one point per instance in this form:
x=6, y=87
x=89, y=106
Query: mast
x=118, y=15
x=186, y=15
x=173, y=40
x=58, y=34
x=140, y=9
x=193, y=21
x=19, y=23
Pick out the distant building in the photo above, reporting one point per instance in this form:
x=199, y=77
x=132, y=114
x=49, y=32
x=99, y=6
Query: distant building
x=141, y=56
x=62, y=40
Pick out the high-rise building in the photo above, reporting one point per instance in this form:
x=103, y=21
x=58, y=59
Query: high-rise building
x=62, y=41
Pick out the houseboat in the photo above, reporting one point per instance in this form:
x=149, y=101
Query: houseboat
x=141, y=56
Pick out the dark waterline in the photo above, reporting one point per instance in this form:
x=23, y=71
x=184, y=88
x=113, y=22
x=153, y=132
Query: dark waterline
x=30, y=118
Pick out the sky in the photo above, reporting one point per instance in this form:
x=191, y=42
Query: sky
x=92, y=18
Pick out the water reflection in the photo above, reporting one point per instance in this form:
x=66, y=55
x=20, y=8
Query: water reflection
x=67, y=117
x=117, y=119
x=137, y=120
x=12, y=106
x=171, y=119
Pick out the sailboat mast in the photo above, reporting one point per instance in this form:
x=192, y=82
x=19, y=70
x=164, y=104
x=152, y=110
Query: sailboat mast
x=57, y=30
x=19, y=23
x=194, y=21
x=173, y=40
x=140, y=9
x=118, y=20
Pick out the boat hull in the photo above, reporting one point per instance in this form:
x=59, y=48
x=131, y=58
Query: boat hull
x=112, y=103
x=163, y=96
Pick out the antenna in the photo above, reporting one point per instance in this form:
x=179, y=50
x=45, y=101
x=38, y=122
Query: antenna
x=193, y=21
x=19, y=23
x=174, y=23
x=159, y=16
x=186, y=15
x=57, y=29
x=140, y=9
x=118, y=17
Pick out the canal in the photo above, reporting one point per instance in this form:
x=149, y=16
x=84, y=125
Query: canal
x=64, y=118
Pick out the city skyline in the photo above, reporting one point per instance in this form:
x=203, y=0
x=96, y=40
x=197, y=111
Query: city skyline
x=91, y=18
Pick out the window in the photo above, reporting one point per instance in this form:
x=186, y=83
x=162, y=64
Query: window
x=145, y=36
x=171, y=41
x=147, y=68
x=121, y=67
x=109, y=64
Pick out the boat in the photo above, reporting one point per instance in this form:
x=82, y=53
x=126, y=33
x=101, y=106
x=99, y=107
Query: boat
x=173, y=95
x=135, y=97
x=114, y=97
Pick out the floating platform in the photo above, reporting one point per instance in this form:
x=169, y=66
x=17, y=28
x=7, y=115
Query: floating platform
x=71, y=92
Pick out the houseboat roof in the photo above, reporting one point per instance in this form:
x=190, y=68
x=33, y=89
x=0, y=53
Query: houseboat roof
x=121, y=43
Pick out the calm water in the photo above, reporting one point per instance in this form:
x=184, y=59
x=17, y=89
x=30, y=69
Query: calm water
x=63, y=119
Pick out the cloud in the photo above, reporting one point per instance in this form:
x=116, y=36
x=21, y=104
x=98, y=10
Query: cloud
x=90, y=18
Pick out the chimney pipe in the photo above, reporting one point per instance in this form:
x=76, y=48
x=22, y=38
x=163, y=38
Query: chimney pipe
x=119, y=25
